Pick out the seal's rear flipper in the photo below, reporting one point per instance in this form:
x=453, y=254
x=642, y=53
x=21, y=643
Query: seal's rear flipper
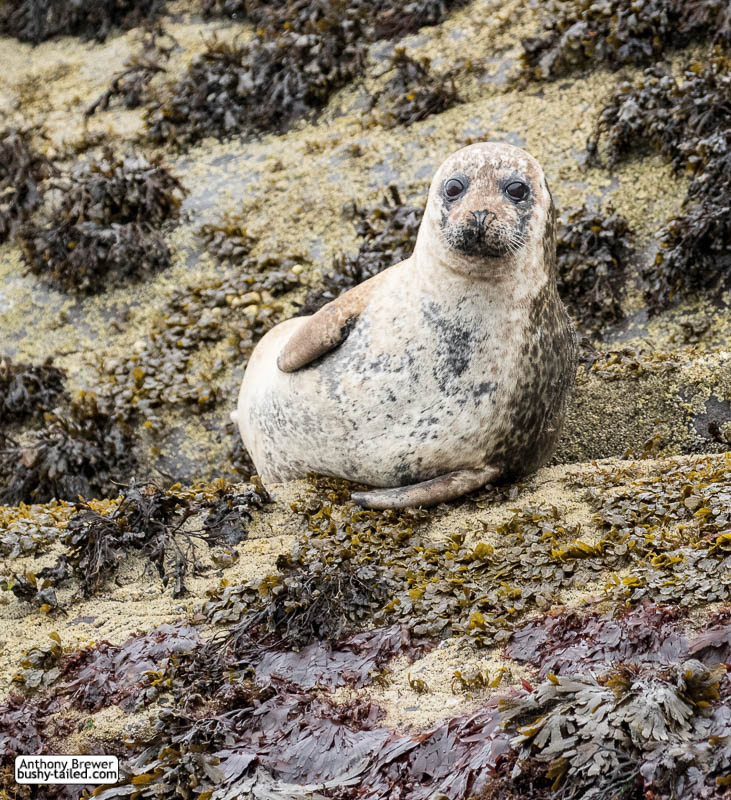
x=428, y=493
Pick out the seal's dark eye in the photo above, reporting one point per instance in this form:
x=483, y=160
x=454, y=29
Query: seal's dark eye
x=516, y=190
x=453, y=188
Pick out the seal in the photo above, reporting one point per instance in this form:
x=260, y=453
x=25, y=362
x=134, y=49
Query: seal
x=446, y=371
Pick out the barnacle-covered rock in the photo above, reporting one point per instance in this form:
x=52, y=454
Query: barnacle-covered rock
x=643, y=402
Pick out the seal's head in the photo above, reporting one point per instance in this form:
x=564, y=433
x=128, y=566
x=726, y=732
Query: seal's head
x=489, y=205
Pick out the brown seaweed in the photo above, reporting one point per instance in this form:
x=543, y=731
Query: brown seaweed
x=259, y=86
x=593, y=252
x=81, y=450
x=630, y=729
x=579, y=33
x=35, y=21
x=132, y=84
x=412, y=92
x=28, y=390
x=690, y=124
x=106, y=225
x=22, y=171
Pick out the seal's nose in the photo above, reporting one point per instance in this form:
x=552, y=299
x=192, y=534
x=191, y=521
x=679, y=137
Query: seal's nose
x=481, y=216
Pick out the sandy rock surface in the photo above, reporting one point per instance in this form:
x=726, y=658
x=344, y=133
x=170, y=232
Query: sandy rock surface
x=641, y=475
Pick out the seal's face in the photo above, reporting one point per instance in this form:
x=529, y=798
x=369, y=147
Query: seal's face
x=488, y=204
x=486, y=213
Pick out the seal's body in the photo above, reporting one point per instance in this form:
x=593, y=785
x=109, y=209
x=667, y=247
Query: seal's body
x=442, y=373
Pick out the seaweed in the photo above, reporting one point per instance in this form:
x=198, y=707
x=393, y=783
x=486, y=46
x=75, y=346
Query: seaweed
x=106, y=224
x=695, y=254
x=676, y=118
x=28, y=390
x=412, y=93
x=705, y=19
x=383, y=19
x=110, y=189
x=570, y=642
x=35, y=21
x=712, y=645
x=690, y=124
x=393, y=20
x=282, y=742
x=355, y=661
x=22, y=727
x=152, y=523
x=671, y=530
x=146, y=520
x=105, y=673
x=319, y=594
x=233, y=9
x=40, y=666
x=592, y=252
x=389, y=235
x=248, y=710
x=22, y=171
x=303, y=52
x=32, y=588
x=645, y=728
x=132, y=84
x=452, y=588
x=476, y=680
x=579, y=34
x=26, y=531
x=227, y=516
x=32, y=728
x=87, y=258
x=227, y=240
x=260, y=86
x=351, y=568
x=78, y=451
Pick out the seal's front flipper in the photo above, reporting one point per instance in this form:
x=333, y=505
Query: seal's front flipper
x=428, y=493
x=326, y=329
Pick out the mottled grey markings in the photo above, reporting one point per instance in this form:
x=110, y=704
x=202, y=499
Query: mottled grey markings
x=485, y=389
x=455, y=349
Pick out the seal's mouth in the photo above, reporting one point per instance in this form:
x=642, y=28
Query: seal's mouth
x=479, y=236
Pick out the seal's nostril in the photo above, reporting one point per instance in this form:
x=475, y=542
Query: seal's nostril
x=481, y=216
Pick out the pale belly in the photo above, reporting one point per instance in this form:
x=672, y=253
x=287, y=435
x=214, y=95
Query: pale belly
x=387, y=407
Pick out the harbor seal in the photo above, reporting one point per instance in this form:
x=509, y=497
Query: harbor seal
x=444, y=372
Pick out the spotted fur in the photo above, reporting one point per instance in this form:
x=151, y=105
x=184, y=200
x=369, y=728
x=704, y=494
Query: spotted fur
x=450, y=368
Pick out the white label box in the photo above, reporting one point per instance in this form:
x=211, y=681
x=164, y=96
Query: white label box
x=66, y=769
